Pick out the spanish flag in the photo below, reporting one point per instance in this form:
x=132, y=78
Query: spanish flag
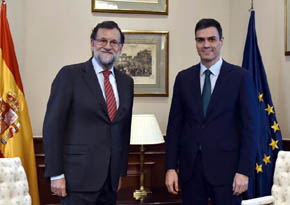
x=15, y=130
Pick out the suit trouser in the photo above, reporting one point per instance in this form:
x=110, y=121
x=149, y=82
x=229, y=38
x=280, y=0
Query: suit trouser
x=197, y=190
x=105, y=196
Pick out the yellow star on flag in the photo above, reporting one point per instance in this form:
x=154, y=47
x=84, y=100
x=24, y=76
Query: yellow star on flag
x=275, y=126
x=274, y=144
x=267, y=159
x=270, y=109
x=261, y=97
x=259, y=168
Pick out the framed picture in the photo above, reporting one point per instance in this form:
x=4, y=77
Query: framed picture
x=287, y=27
x=145, y=58
x=131, y=6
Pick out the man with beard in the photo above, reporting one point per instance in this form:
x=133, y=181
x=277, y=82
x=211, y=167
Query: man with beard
x=86, y=129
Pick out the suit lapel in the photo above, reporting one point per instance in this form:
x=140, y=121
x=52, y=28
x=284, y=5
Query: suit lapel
x=196, y=91
x=121, y=92
x=219, y=88
x=92, y=82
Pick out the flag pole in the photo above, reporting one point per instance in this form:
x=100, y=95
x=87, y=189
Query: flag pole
x=252, y=6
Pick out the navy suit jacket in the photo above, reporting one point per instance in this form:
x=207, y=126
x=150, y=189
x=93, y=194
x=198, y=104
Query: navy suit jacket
x=226, y=134
x=79, y=139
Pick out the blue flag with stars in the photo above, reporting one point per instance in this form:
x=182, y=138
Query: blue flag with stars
x=269, y=138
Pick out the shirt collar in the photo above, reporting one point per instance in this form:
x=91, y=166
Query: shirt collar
x=215, y=68
x=98, y=69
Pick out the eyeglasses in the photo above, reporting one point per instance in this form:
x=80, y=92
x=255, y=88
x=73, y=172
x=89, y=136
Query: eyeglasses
x=103, y=42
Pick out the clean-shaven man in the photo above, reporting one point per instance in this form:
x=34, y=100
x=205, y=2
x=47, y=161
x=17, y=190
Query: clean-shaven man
x=212, y=126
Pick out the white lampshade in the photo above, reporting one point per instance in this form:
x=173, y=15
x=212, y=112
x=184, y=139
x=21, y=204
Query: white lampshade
x=145, y=130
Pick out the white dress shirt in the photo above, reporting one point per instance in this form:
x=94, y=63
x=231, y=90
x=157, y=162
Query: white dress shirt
x=215, y=71
x=98, y=69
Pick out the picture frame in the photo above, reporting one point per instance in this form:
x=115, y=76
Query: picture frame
x=131, y=6
x=287, y=27
x=144, y=57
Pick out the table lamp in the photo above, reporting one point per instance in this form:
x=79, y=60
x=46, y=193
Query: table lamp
x=144, y=131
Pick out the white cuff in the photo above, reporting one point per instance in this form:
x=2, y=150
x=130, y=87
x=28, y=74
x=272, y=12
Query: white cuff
x=57, y=177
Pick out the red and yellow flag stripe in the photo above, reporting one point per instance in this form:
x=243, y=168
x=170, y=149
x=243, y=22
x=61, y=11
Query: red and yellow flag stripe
x=16, y=139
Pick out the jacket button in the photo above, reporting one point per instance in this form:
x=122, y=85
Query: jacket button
x=199, y=147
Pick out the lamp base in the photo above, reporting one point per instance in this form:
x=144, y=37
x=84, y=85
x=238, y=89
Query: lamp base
x=140, y=194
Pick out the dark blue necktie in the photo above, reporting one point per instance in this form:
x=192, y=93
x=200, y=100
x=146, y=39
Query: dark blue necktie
x=206, y=92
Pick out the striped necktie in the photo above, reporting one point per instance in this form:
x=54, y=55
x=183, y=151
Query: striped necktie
x=110, y=98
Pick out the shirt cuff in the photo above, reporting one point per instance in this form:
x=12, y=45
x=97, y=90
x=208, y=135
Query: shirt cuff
x=57, y=177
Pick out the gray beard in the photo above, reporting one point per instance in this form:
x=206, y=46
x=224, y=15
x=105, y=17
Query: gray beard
x=106, y=64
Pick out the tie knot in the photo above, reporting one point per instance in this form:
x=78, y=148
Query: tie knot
x=207, y=73
x=106, y=73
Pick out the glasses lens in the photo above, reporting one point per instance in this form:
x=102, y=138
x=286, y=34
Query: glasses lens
x=104, y=42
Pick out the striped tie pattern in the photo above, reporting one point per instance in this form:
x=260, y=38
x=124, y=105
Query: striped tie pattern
x=110, y=98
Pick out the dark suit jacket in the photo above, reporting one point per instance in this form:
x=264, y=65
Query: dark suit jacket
x=226, y=134
x=79, y=139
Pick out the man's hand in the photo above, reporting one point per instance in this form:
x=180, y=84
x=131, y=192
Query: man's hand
x=58, y=187
x=171, y=181
x=120, y=184
x=240, y=184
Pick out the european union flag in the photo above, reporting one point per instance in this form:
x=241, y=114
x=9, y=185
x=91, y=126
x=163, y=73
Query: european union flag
x=269, y=138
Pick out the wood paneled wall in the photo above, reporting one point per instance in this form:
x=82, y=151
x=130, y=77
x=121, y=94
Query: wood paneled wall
x=153, y=168
x=154, y=175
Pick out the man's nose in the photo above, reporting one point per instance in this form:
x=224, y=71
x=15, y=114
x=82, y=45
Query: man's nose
x=108, y=45
x=206, y=44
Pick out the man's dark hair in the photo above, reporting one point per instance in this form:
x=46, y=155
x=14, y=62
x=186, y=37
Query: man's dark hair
x=205, y=23
x=107, y=25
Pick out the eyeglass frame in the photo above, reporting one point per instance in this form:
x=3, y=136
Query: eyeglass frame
x=103, y=42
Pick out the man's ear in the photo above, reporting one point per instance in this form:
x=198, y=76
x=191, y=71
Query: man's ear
x=92, y=47
x=92, y=44
x=222, y=40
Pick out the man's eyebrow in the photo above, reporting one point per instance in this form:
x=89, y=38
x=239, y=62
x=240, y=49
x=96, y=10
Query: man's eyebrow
x=210, y=37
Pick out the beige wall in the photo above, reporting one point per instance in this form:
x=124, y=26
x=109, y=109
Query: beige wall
x=50, y=34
